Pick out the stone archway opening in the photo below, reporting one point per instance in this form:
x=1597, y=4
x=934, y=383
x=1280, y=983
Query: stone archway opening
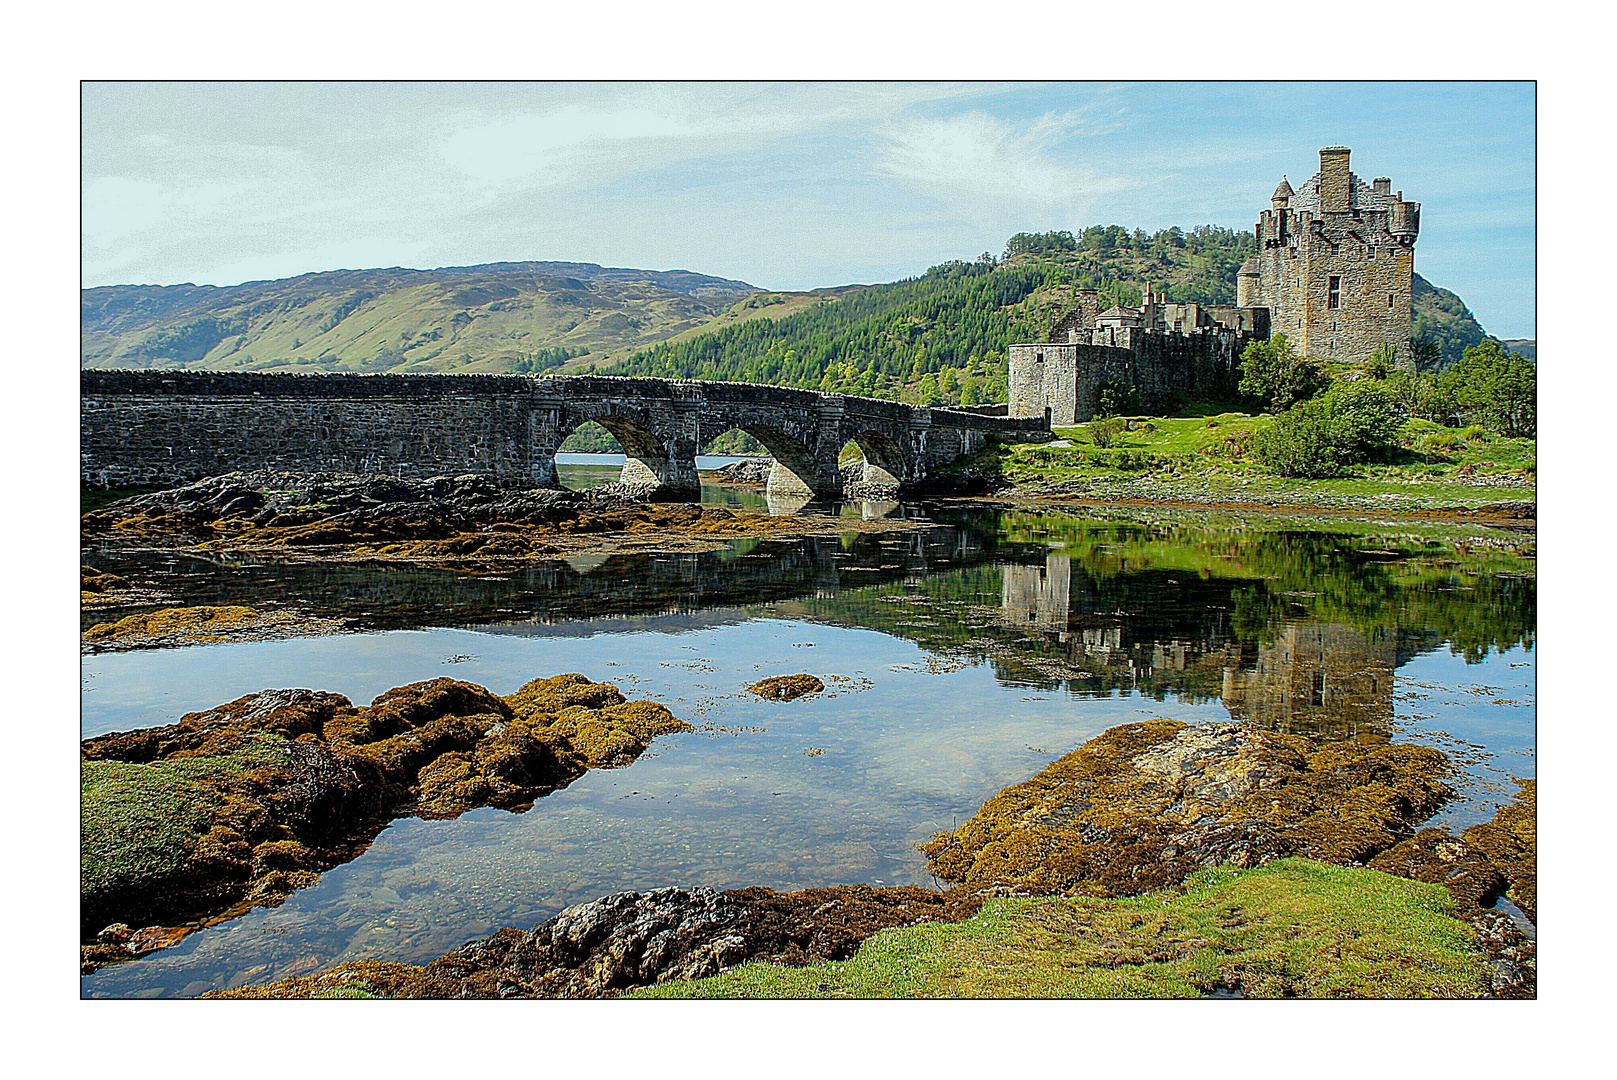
x=646, y=463
x=594, y=458
x=873, y=466
x=794, y=476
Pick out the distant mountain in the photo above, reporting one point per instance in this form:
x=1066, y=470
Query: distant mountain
x=492, y=317
x=1523, y=346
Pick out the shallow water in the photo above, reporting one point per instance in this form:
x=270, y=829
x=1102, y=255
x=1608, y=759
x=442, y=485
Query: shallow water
x=966, y=657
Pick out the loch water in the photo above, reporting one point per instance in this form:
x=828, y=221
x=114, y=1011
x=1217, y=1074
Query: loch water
x=961, y=654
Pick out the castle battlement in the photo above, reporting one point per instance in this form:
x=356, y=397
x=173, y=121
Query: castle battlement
x=1335, y=263
x=1334, y=271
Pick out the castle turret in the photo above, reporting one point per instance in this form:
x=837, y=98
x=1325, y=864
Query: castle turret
x=1282, y=196
x=1248, y=283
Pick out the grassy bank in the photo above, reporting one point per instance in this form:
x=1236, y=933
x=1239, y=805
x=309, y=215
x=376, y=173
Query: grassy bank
x=1291, y=928
x=1209, y=458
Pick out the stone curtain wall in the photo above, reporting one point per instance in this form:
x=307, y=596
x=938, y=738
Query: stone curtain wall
x=155, y=428
x=1066, y=379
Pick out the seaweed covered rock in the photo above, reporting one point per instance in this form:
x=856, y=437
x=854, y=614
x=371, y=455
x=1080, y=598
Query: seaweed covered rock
x=457, y=521
x=1497, y=858
x=1141, y=806
x=787, y=687
x=248, y=801
x=202, y=625
x=637, y=939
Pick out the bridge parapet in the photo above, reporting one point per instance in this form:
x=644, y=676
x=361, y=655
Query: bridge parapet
x=157, y=427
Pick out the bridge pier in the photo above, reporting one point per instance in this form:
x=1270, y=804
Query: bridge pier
x=164, y=427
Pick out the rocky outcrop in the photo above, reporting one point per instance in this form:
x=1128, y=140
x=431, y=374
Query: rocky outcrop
x=787, y=687
x=637, y=939
x=750, y=472
x=273, y=787
x=464, y=521
x=1142, y=806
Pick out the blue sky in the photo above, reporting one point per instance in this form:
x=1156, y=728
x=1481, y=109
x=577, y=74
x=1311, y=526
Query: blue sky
x=787, y=186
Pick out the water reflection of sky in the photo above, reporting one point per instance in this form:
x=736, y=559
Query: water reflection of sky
x=977, y=677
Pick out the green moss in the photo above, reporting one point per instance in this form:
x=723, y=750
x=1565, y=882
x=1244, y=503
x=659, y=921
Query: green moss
x=1292, y=928
x=1140, y=806
x=141, y=823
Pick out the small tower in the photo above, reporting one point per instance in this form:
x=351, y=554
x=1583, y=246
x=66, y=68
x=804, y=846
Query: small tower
x=1248, y=283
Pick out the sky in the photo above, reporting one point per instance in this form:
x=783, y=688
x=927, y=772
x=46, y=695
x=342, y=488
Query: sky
x=787, y=186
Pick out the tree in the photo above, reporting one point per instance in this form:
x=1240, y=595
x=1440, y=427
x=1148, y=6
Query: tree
x=1271, y=370
x=1428, y=353
x=1497, y=387
x=1113, y=397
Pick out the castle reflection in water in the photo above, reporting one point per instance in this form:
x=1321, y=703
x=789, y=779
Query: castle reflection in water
x=1312, y=677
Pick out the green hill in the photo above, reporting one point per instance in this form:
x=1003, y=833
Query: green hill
x=1443, y=317
x=494, y=317
x=933, y=339
x=942, y=337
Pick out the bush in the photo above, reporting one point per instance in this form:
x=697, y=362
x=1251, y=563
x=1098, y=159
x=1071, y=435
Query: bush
x=1498, y=387
x=1104, y=433
x=1439, y=441
x=1473, y=432
x=1352, y=424
x=1270, y=370
x=1113, y=397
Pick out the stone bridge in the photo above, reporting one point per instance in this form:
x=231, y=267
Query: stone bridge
x=141, y=428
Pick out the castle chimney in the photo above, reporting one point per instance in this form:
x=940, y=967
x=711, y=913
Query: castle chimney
x=1334, y=184
x=1383, y=185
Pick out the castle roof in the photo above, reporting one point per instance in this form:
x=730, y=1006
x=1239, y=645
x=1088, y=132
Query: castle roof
x=1249, y=268
x=1284, y=190
x=1361, y=196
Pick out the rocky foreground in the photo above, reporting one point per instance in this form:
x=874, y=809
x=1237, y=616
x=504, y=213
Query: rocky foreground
x=1147, y=809
x=462, y=521
x=246, y=802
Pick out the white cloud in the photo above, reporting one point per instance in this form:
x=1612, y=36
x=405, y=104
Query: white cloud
x=116, y=207
x=976, y=158
x=524, y=145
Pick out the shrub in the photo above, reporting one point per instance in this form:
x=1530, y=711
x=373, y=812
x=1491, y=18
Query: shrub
x=1473, y=432
x=1272, y=371
x=1114, y=396
x=1438, y=441
x=1104, y=433
x=1352, y=424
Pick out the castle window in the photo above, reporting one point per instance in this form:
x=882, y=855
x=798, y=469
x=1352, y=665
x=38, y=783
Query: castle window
x=1334, y=300
x=1389, y=301
x=1371, y=252
x=1038, y=358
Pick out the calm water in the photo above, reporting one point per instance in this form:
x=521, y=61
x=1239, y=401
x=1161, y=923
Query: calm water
x=960, y=658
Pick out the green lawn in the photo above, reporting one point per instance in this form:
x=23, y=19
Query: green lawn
x=1208, y=458
x=1292, y=928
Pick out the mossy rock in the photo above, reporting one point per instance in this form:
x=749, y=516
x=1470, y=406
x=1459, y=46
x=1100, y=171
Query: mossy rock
x=1291, y=928
x=787, y=687
x=248, y=800
x=1141, y=806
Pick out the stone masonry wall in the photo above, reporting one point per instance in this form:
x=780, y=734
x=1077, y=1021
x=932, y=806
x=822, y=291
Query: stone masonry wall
x=1066, y=379
x=153, y=428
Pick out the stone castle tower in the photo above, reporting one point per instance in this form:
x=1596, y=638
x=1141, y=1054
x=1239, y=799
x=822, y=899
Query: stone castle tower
x=1335, y=264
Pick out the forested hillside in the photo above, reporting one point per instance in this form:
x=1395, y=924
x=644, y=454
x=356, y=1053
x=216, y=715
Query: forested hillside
x=1442, y=318
x=942, y=337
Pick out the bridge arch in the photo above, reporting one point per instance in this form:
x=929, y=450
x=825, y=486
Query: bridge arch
x=649, y=461
x=887, y=465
